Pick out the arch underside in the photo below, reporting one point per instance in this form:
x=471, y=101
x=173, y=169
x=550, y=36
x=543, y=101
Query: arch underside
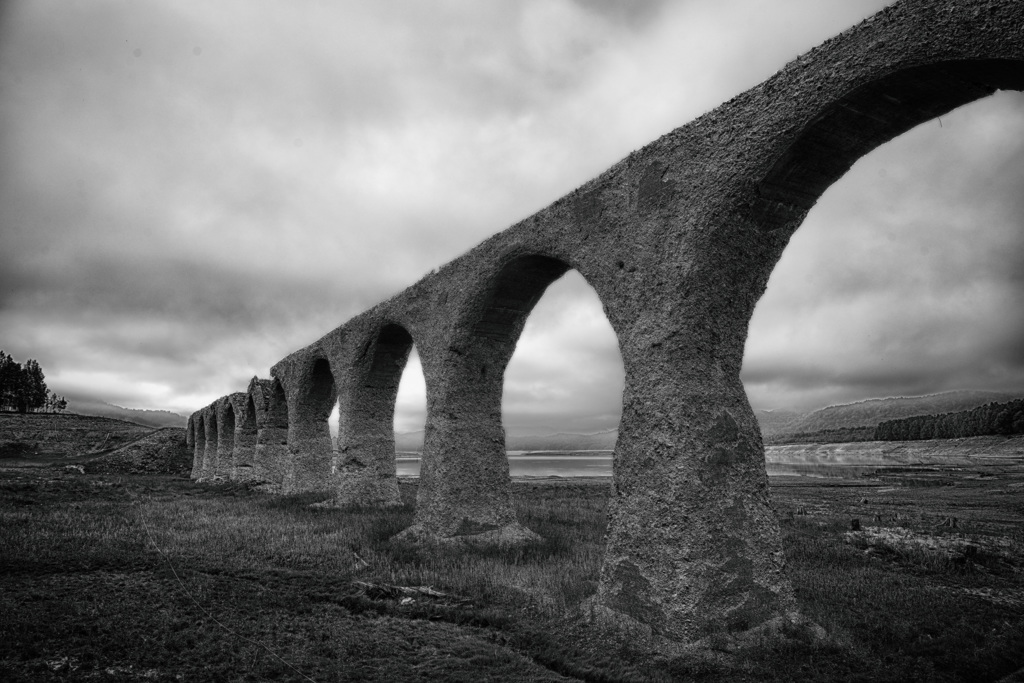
x=867, y=118
x=516, y=290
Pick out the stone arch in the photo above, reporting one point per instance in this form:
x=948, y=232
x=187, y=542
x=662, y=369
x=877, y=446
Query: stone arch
x=366, y=471
x=244, y=455
x=688, y=432
x=704, y=212
x=464, y=487
x=190, y=443
x=210, y=461
x=199, y=445
x=271, y=451
x=225, y=437
x=866, y=117
x=312, y=397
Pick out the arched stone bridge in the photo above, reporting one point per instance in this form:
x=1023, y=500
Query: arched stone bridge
x=678, y=240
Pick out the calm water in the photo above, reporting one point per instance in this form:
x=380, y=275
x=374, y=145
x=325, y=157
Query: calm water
x=575, y=464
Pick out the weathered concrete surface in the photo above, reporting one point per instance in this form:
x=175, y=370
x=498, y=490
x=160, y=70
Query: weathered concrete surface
x=678, y=240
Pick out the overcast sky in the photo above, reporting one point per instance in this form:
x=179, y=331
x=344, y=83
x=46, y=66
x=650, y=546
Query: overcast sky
x=189, y=191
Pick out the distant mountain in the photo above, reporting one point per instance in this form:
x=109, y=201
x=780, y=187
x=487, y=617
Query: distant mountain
x=63, y=435
x=775, y=421
x=149, y=418
x=409, y=441
x=873, y=411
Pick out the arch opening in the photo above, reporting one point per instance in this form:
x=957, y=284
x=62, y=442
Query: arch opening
x=562, y=388
x=899, y=280
x=409, y=423
x=464, y=487
x=868, y=117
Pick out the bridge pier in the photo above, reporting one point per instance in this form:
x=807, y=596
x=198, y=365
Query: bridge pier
x=465, y=491
x=244, y=436
x=225, y=437
x=311, y=398
x=366, y=472
x=210, y=444
x=190, y=444
x=271, y=447
x=693, y=545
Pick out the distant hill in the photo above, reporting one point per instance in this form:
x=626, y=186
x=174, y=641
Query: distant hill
x=149, y=418
x=775, y=421
x=870, y=413
x=63, y=435
x=161, y=451
x=839, y=423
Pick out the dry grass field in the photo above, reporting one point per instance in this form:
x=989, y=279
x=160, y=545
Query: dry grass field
x=147, y=577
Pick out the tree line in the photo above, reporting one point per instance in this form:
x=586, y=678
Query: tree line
x=23, y=388
x=994, y=418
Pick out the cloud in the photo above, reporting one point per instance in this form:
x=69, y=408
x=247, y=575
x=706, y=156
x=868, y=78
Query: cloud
x=190, y=191
x=905, y=277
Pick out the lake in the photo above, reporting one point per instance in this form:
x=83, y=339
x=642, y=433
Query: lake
x=599, y=464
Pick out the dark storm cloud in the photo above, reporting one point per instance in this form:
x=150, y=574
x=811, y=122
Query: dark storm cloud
x=189, y=191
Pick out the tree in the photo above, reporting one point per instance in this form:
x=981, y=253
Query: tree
x=22, y=388
x=34, y=387
x=10, y=382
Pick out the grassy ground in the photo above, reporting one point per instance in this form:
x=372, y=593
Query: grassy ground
x=157, y=578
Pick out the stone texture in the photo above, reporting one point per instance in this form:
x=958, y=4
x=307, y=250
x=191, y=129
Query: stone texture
x=210, y=464
x=199, y=440
x=225, y=413
x=190, y=444
x=678, y=240
x=310, y=394
x=271, y=432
